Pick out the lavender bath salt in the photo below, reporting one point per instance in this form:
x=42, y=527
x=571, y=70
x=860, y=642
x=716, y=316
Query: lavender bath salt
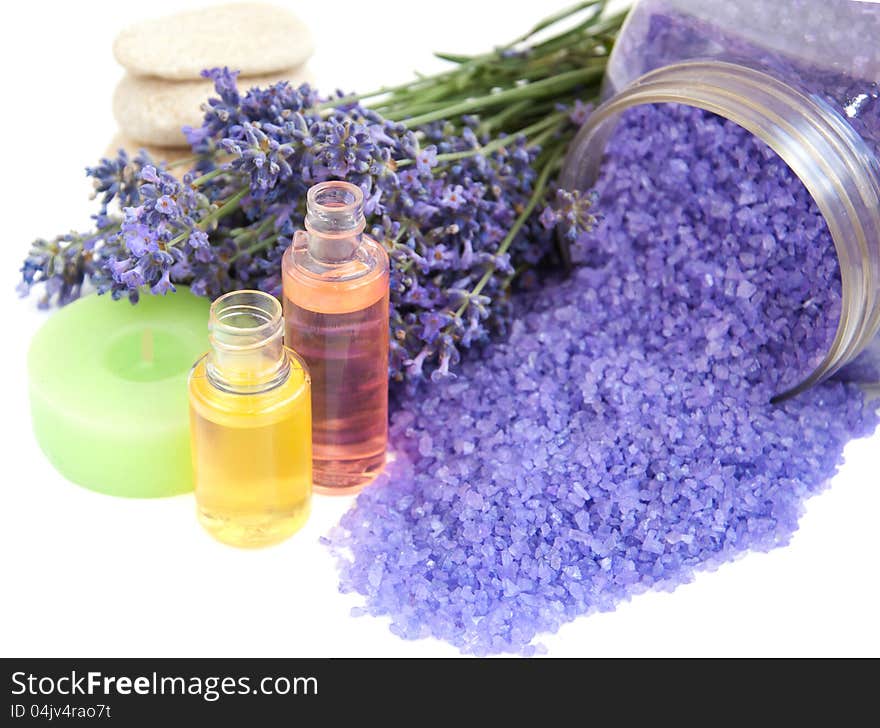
x=621, y=437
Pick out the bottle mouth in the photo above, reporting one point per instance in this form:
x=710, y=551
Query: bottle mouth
x=835, y=165
x=335, y=207
x=247, y=355
x=244, y=320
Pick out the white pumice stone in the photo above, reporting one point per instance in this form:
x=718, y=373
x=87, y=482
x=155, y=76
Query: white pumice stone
x=154, y=110
x=253, y=38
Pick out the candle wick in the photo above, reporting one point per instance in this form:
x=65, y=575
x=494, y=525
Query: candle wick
x=147, y=346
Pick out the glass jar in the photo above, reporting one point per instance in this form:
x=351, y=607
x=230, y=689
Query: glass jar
x=802, y=75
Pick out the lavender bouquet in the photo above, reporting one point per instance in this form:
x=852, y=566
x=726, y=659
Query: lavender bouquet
x=457, y=171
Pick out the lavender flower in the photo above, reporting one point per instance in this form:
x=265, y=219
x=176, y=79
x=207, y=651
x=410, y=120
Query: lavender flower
x=455, y=200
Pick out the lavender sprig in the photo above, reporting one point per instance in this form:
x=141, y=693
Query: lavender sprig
x=455, y=169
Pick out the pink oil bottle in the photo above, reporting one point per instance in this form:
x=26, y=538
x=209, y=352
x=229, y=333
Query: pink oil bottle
x=336, y=317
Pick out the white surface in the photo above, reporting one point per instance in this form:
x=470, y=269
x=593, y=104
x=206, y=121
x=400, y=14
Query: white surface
x=89, y=575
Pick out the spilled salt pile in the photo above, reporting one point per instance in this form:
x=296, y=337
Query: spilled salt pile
x=621, y=437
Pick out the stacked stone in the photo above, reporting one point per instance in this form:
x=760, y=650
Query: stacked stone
x=163, y=90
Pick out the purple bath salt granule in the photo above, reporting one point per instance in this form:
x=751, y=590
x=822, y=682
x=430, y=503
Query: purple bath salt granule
x=621, y=437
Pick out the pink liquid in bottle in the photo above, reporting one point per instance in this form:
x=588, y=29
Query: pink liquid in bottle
x=336, y=318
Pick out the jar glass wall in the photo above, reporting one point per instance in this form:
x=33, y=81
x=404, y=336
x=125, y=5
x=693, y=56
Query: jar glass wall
x=803, y=77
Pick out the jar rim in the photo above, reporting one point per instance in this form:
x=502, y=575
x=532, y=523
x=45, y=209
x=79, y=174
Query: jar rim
x=835, y=165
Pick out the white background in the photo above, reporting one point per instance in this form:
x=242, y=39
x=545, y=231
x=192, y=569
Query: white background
x=90, y=575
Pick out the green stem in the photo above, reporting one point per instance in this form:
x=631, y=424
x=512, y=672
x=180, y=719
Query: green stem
x=259, y=245
x=404, y=229
x=529, y=90
x=226, y=208
x=381, y=91
x=496, y=144
x=183, y=161
x=80, y=240
x=560, y=15
x=250, y=232
x=208, y=176
x=468, y=65
x=452, y=57
x=537, y=194
x=537, y=28
x=499, y=119
x=539, y=139
x=244, y=234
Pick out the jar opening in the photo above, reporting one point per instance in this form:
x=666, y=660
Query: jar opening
x=834, y=164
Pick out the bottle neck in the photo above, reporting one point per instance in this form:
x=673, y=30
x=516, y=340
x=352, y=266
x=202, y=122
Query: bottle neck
x=333, y=248
x=835, y=165
x=335, y=221
x=247, y=354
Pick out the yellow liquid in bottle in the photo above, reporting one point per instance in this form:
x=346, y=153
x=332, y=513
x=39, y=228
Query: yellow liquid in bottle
x=252, y=458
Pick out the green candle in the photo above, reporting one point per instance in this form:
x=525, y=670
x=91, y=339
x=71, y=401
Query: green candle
x=108, y=391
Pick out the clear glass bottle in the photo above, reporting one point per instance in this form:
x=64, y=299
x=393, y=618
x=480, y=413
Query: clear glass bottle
x=802, y=75
x=336, y=288
x=250, y=417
